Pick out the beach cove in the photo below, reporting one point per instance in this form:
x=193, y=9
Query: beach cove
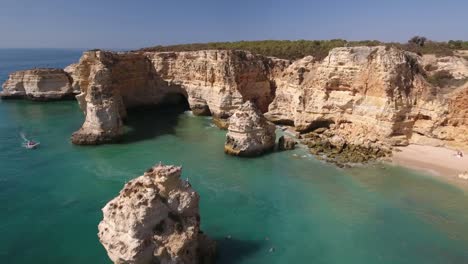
x=307, y=210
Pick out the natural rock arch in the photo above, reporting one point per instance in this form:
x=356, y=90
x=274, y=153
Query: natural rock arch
x=213, y=82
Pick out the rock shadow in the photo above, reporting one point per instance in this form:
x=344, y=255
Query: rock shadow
x=233, y=251
x=147, y=122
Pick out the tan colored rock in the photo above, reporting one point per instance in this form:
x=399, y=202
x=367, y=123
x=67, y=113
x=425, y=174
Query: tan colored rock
x=38, y=84
x=249, y=132
x=219, y=80
x=71, y=69
x=213, y=82
x=221, y=123
x=455, y=65
x=289, y=90
x=155, y=219
x=378, y=92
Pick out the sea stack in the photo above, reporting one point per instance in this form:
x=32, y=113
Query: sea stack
x=249, y=132
x=155, y=219
x=39, y=85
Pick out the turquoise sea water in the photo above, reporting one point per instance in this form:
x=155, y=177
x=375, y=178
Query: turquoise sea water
x=310, y=212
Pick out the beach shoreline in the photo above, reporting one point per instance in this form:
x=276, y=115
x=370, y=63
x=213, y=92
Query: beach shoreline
x=439, y=162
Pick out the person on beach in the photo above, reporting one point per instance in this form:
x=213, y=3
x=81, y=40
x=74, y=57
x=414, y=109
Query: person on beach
x=459, y=154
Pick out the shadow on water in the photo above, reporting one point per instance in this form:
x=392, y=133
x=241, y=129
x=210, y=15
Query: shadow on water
x=149, y=122
x=233, y=251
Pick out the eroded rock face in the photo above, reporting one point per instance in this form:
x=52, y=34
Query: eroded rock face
x=71, y=69
x=249, y=132
x=213, y=82
x=454, y=65
x=375, y=96
x=359, y=85
x=155, y=219
x=369, y=97
x=217, y=80
x=38, y=84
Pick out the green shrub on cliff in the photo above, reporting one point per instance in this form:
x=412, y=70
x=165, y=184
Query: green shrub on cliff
x=285, y=49
x=294, y=49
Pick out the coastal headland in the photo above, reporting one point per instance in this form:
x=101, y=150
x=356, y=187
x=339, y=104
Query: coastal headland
x=355, y=105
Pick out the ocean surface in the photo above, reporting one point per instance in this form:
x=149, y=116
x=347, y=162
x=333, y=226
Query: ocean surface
x=309, y=212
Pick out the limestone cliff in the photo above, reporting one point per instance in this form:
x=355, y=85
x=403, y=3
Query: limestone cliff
x=216, y=81
x=366, y=96
x=38, y=84
x=370, y=97
x=456, y=66
x=71, y=69
x=249, y=132
x=155, y=219
x=213, y=82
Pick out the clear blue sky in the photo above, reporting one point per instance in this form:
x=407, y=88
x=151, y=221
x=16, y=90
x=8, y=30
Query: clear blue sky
x=133, y=24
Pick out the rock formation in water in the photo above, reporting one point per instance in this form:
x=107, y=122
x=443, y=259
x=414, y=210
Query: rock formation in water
x=213, y=82
x=38, y=84
x=286, y=143
x=249, y=132
x=155, y=219
x=358, y=100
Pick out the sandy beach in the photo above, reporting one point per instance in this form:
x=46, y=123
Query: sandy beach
x=437, y=161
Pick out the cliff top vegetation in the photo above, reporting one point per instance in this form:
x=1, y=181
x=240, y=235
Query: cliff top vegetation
x=295, y=49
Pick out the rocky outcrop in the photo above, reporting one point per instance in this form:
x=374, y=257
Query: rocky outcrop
x=456, y=66
x=375, y=97
x=286, y=143
x=155, y=219
x=216, y=80
x=366, y=99
x=349, y=144
x=38, y=84
x=108, y=81
x=249, y=132
x=213, y=82
x=71, y=69
x=221, y=123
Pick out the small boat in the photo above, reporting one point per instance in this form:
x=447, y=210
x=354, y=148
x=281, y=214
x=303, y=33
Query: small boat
x=31, y=144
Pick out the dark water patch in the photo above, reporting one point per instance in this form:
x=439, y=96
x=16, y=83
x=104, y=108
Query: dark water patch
x=234, y=251
x=149, y=122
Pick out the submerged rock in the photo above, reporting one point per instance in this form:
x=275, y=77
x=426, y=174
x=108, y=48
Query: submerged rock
x=155, y=219
x=38, y=84
x=286, y=143
x=249, y=132
x=221, y=123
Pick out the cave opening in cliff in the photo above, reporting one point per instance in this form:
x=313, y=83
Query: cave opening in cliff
x=150, y=121
x=177, y=101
